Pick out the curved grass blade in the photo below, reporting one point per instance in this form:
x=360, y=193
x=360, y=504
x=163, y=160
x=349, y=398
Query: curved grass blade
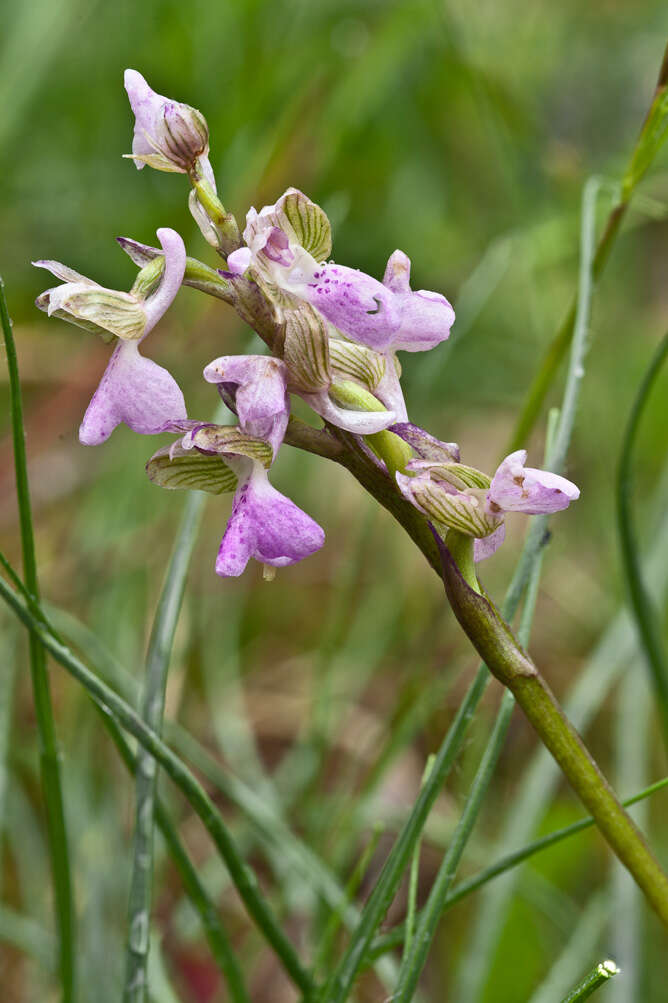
x=277, y=839
x=614, y=652
x=48, y=742
x=415, y=955
x=649, y=632
x=217, y=939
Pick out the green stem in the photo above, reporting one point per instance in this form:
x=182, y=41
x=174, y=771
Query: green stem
x=157, y=665
x=649, y=632
x=241, y=874
x=604, y=971
x=558, y=347
x=48, y=743
x=494, y=641
x=226, y=226
x=341, y=980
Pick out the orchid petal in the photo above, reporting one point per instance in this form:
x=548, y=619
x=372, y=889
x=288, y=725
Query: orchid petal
x=427, y=446
x=426, y=319
x=358, y=422
x=172, y=277
x=398, y=273
x=264, y=524
x=239, y=261
x=133, y=390
x=485, y=546
x=63, y=272
x=261, y=398
x=147, y=107
x=516, y=488
x=356, y=304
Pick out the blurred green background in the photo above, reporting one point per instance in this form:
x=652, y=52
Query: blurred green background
x=462, y=133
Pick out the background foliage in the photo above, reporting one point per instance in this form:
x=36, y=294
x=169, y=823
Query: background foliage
x=463, y=134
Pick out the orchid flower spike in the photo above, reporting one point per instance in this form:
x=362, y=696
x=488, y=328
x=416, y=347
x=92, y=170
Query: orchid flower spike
x=133, y=389
x=168, y=135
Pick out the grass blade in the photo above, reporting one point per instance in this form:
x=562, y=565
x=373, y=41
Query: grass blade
x=614, y=652
x=649, y=632
x=217, y=939
x=157, y=665
x=632, y=752
x=644, y=151
x=430, y=917
x=48, y=743
x=395, y=936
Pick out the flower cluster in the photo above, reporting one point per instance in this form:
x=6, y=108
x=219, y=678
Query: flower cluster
x=333, y=333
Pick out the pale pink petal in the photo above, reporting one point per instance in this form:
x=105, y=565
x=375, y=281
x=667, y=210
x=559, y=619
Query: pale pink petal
x=264, y=525
x=485, y=546
x=239, y=261
x=398, y=273
x=172, y=277
x=516, y=488
x=133, y=390
x=355, y=303
x=358, y=422
x=389, y=392
x=147, y=107
x=426, y=319
x=258, y=384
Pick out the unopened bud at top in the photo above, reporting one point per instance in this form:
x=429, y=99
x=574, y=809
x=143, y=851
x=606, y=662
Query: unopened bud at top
x=168, y=135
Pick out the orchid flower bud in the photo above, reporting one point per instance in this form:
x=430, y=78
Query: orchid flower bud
x=168, y=135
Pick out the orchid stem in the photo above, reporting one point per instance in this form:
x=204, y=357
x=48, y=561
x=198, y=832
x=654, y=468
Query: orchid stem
x=505, y=659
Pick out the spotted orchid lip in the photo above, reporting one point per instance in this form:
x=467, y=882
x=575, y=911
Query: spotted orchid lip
x=264, y=525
